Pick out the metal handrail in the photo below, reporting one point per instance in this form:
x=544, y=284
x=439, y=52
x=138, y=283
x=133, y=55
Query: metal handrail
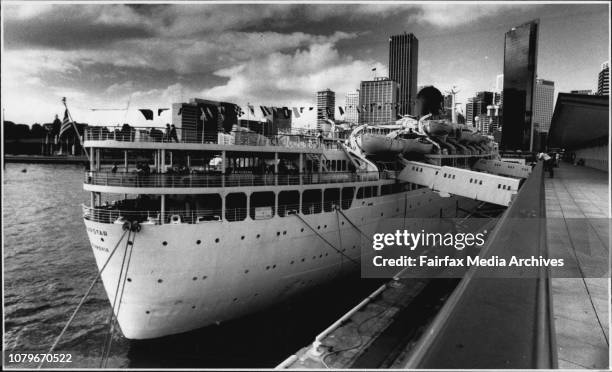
x=171, y=180
x=116, y=214
x=501, y=318
x=294, y=137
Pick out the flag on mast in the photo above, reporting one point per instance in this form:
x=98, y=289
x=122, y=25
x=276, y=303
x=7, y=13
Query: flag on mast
x=65, y=123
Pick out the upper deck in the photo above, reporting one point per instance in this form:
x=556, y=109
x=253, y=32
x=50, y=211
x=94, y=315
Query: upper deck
x=294, y=141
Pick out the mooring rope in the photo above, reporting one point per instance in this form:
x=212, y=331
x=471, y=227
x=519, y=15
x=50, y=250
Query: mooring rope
x=325, y=240
x=112, y=324
x=352, y=224
x=82, y=301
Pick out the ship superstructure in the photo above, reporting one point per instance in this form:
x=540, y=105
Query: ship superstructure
x=192, y=230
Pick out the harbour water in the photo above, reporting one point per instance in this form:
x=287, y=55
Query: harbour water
x=48, y=266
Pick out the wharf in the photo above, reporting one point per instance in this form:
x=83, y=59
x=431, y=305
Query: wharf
x=578, y=228
x=45, y=159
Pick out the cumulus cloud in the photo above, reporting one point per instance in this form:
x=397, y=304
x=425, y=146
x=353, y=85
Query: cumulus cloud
x=452, y=15
x=292, y=79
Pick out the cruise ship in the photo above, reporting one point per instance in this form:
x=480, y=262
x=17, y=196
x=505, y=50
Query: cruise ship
x=191, y=230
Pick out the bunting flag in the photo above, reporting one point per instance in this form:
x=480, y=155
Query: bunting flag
x=301, y=110
x=358, y=110
x=239, y=111
x=148, y=114
x=341, y=110
x=310, y=108
x=209, y=112
x=65, y=123
x=203, y=116
x=180, y=111
x=252, y=109
x=263, y=111
x=221, y=117
x=329, y=112
x=296, y=112
x=159, y=111
x=287, y=112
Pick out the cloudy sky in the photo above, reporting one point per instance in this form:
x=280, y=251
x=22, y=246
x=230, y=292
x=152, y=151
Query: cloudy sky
x=104, y=56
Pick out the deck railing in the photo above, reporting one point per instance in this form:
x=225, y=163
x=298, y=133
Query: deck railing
x=115, y=213
x=167, y=180
x=293, y=138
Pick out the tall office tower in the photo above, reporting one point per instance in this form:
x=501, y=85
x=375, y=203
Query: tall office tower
x=326, y=101
x=403, y=69
x=543, y=104
x=477, y=106
x=520, y=63
x=499, y=83
x=603, y=82
x=378, y=101
x=351, y=103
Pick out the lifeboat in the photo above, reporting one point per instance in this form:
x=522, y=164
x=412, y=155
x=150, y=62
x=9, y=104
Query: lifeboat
x=437, y=128
x=375, y=144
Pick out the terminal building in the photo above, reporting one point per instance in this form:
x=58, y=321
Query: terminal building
x=580, y=125
x=378, y=101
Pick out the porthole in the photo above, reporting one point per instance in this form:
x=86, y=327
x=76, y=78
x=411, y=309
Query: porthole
x=204, y=277
x=314, y=257
x=159, y=280
x=147, y=312
x=235, y=299
x=319, y=227
x=284, y=232
x=278, y=233
x=198, y=242
x=256, y=294
x=267, y=267
x=195, y=278
x=102, y=239
x=325, y=227
x=193, y=307
x=242, y=237
x=258, y=236
x=274, y=266
x=302, y=229
x=129, y=279
x=303, y=259
x=217, y=240
x=291, y=263
x=246, y=271
x=164, y=243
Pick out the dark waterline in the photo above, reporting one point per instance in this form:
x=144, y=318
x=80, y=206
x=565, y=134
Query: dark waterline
x=48, y=265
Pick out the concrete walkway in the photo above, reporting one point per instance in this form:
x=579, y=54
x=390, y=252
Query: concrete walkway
x=578, y=230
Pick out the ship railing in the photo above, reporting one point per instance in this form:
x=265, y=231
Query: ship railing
x=115, y=214
x=293, y=138
x=166, y=180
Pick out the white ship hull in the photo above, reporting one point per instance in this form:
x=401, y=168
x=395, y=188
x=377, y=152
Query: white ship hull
x=185, y=285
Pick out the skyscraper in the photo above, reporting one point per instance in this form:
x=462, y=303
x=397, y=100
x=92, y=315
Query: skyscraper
x=520, y=63
x=477, y=106
x=499, y=83
x=326, y=101
x=351, y=103
x=378, y=101
x=403, y=69
x=543, y=104
x=603, y=82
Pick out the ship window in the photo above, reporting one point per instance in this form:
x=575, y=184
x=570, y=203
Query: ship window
x=207, y=208
x=374, y=190
x=288, y=201
x=311, y=201
x=347, y=197
x=235, y=206
x=333, y=165
x=367, y=192
x=386, y=189
x=262, y=205
x=331, y=198
x=360, y=193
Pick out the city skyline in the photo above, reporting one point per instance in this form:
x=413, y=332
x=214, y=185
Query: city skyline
x=102, y=56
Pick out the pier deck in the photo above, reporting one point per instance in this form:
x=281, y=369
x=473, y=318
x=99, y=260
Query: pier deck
x=577, y=211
